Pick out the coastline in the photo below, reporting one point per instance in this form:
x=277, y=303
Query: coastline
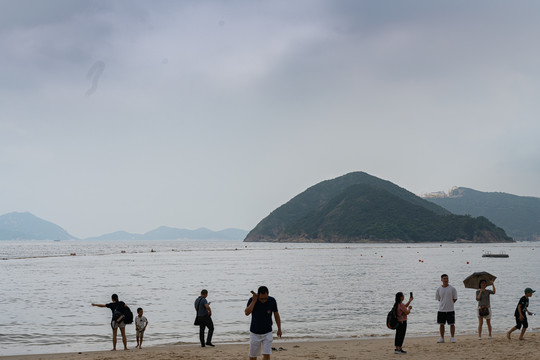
x=423, y=348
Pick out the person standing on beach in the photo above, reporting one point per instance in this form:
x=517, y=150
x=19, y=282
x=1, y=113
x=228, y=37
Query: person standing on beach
x=446, y=294
x=521, y=314
x=402, y=311
x=260, y=307
x=140, y=325
x=116, y=306
x=482, y=296
x=204, y=318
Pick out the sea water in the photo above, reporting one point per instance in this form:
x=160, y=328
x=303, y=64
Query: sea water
x=323, y=291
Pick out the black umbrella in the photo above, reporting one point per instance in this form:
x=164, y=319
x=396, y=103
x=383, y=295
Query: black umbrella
x=473, y=281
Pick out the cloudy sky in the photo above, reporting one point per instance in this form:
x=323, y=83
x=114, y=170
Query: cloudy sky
x=128, y=115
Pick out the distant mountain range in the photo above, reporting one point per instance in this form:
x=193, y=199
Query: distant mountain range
x=16, y=225
x=169, y=233
x=358, y=207
x=519, y=216
x=26, y=226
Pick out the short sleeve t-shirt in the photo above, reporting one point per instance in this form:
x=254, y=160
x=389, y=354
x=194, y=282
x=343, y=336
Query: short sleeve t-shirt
x=484, y=298
x=115, y=306
x=524, y=302
x=200, y=306
x=446, y=297
x=140, y=322
x=402, y=312
x=261, y=316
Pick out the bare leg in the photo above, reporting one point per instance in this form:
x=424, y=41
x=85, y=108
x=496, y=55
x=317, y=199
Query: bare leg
x=488, y=321
x=452, y=330
x=124, y=339
x=252, y=358
x=441, y=330
x=480, y=323
x=140, y=344
x=522, y=333
x=114, y=332
x=510, y=331
x=266, y=357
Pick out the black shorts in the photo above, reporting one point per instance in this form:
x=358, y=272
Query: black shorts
x=446, y=317
x=520, y=323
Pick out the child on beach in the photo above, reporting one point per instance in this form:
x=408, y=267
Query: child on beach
x=521, y=314
x=140, y=325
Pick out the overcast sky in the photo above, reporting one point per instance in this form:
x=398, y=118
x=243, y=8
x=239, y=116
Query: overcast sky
x=128, y=115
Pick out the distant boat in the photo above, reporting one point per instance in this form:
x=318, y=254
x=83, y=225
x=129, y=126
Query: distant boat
x=499, y=255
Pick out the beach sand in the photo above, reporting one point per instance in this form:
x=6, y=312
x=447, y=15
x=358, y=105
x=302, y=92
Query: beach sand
x=421, y=348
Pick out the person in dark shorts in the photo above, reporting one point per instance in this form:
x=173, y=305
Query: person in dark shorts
x=204, y=317
x=446, y=294
x=521, y=314
x=114, y=306
x=261, y=307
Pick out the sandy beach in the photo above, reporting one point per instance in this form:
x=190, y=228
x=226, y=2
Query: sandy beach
x=422, y=348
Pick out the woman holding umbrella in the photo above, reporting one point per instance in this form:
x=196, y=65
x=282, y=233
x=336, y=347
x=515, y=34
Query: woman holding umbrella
x=484, y=307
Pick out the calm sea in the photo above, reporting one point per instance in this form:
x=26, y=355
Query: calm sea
x=323, y=290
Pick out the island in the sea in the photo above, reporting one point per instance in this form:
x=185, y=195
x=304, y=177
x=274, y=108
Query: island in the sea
x=358, y=207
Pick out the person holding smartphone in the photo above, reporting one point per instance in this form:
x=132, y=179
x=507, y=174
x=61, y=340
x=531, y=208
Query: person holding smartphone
x=402, y=311
x=261, y=307
x=204, y=317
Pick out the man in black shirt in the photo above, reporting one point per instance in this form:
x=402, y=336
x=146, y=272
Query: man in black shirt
x=260, y=307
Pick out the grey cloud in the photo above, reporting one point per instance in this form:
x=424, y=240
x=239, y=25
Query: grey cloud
x=255, y=102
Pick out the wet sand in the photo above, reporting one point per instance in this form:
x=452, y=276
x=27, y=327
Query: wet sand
x=421, y=348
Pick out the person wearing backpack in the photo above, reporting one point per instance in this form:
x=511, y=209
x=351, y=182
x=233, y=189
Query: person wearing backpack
x=402, y=311
x=118, y=319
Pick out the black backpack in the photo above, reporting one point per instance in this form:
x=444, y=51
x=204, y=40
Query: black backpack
x=128, y=315
x=122, y=313
x=391, y=318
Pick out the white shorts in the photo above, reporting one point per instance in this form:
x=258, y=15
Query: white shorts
x=258, y=342
x=487, y=317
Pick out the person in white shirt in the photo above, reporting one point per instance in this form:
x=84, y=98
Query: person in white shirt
x=140, y=325
x=446, y=294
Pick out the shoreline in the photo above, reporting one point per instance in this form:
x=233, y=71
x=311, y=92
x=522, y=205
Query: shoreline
x=420, y=347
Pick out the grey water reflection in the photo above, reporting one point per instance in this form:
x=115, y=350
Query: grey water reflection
x=323, y=290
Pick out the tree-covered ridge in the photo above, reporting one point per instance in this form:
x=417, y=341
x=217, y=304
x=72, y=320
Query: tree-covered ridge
x=321, y=193
x=371, y=209
x=519, y=216
x=363, y=212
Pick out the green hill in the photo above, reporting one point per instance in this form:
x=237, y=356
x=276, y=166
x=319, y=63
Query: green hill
x=519, y=216
x=358, y=207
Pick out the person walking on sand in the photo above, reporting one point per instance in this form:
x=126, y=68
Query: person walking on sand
x=204, y=318
x=521, y=314
x=482, y=296
x=402, y=311
x=446, y=294
x=140, y=325
x=260, y=307
x=116, y=307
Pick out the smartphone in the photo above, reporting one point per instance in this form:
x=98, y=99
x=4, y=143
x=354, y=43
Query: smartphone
x=410, y=294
